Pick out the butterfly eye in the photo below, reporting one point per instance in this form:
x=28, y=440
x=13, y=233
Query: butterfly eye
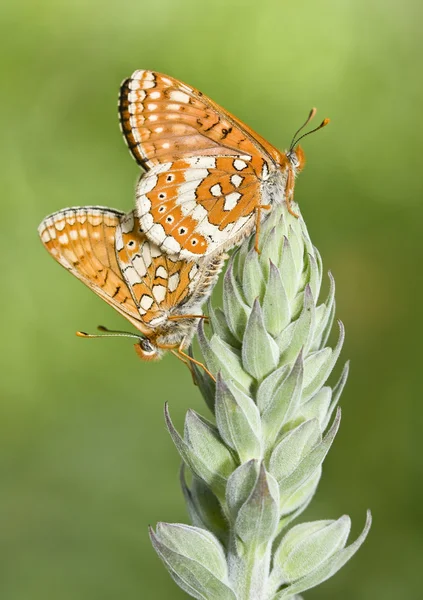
x=147, y=346
x=146, y=350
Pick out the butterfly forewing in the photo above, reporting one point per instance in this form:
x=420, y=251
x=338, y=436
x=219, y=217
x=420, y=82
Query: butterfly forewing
x=163, y=119
x=83, y=241
x=107, y=251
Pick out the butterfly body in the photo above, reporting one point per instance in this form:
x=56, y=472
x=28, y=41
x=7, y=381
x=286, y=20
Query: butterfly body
x=108, y=251
x=209, y=177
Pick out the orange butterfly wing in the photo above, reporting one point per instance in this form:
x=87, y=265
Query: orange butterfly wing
x=163, y=119
x=83, y=241
x=205, y=168
x=108, y=252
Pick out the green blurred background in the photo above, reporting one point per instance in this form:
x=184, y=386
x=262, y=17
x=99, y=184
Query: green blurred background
x=86, y=463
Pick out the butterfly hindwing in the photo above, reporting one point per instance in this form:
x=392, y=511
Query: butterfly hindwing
x=196, y=207
x=160, y=284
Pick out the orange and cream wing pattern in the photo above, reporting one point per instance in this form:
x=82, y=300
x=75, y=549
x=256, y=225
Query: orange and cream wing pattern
x=82, y=240
x=163, y=119
x=107, y=251
x=160, y=284
x=195, y=207
x=205, y=169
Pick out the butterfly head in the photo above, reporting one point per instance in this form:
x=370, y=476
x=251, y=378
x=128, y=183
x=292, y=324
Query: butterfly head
x=296, y=158
x=295, y=154
x=147, y=350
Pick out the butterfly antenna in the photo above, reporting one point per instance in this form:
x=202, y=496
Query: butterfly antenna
x=109, y=333
x=309, y=118
x=295, y=140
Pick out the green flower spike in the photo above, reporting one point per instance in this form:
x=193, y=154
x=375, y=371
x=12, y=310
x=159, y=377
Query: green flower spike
x=256, y=467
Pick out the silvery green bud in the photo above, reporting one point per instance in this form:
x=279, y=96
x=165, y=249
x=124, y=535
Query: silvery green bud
x=257, y=466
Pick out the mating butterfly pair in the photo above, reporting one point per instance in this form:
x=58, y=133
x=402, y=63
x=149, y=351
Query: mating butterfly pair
x=209, y=180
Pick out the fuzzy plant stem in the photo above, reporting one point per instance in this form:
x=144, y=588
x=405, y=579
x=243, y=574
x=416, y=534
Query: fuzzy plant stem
x=253, y=470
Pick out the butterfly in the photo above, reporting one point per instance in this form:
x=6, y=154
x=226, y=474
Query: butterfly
x=160, y=295
x=210, y=179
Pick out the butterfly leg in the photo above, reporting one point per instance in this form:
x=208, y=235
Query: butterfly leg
x=183, y=355
x=259, y=208
x=177, y=317
x=188, y=363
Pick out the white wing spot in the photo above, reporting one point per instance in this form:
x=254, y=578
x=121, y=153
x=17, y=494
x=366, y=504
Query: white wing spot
x=134, y=85
x=155, y=251
x=73, y=234
x=151, y=106
x=139, y=265
x=195, y=175
x=60, y=224
x=161, y=272
x=144, y=205
x=155, y=95
x=131, y=276
x=166, y=81
x=157, y=233
x=45, y=236
x=159, y=293
x=172, y=246
x=216, y=190
x=153, y=118
x=199, y=213
x=146, y=302
x=231, y=200
x=146, y=184
x=265, y=172
x=63, y=239
x=205, y=162
x=166, y=145
x=127, y=222
x=239, y=164
x=158, y=129
x=146, y=221
x=83, y=233
x=179, y=96
x=173, y=282
x=146, y=254
x=236, y=180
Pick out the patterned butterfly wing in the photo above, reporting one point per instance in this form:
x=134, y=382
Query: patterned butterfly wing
x=200, y=206
x=204, y=167
x=160, y=284
x=163, y=119
x=82, y=240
